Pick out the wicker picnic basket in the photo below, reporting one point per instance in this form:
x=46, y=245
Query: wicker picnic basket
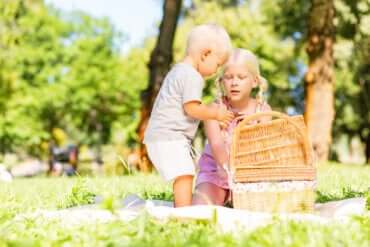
x=275, y=152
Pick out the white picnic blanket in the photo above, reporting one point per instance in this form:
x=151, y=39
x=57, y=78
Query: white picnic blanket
x=227, y=218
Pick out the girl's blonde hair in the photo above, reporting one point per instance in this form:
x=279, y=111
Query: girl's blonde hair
x=247, y=58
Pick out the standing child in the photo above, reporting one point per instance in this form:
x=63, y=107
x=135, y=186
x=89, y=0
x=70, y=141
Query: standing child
x=178, y=109
x=240, y=76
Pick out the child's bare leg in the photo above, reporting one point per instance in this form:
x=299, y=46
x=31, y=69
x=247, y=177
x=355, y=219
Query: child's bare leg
x=182, y=190
x=208, y=193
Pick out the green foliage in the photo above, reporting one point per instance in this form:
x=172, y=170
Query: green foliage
x=158, y=195
x=110, y=203
x=351, y=53
x=274, y=54
x=79, y=195
x=64, y=70
x=346, y=193
x=280, y=234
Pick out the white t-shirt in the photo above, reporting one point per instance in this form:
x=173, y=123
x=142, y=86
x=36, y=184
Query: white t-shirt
x=168, y=120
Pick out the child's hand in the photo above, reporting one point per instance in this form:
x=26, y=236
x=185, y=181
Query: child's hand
x=224, y=116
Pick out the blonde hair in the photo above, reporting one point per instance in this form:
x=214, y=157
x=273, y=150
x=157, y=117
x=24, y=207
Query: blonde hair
x=247, y=58
x=206, y=35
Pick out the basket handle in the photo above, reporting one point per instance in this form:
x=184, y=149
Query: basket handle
x=306, y=145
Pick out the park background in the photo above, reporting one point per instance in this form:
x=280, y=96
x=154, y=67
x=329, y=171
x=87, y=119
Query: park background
x=81, y=72
x=86, y=72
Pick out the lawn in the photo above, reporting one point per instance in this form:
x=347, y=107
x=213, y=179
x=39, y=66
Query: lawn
x=27, y=195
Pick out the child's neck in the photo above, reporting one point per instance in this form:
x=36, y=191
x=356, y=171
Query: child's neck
x=242, y=106
x=189, y=60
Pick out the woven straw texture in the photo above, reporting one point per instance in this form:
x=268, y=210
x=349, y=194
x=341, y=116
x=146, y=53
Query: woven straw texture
x=278, y=150
x=275, y=202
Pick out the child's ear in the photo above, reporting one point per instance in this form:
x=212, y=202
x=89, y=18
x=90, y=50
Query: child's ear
x=205, y=53
x=255, y=82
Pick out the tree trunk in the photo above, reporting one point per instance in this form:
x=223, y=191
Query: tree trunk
x=160, y=61
x=319, y=79
x=367, y=149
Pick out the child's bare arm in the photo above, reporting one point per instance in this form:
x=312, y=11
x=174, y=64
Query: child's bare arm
x=216, y=142
x=197, y=110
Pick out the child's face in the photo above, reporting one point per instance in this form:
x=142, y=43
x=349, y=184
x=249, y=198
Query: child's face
x=210, y=62
x=238, y=82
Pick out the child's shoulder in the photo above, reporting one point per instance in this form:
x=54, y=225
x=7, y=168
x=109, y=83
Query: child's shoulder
x=265, y=106
x=178, y=71
x=182, y=66
x=261, y=106
x=185, y=72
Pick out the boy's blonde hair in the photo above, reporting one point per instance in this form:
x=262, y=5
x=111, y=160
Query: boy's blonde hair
x=247, y=58
x=206, y=35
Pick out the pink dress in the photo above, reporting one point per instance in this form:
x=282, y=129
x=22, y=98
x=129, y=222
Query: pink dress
x=209, y=170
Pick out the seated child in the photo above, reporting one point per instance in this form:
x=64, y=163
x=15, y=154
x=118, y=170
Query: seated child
x=241, y=75
x=178, y=108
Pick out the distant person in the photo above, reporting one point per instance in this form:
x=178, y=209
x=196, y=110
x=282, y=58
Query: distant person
x=63, y=160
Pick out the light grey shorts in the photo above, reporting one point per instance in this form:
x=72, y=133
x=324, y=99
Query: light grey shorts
x=171, y=158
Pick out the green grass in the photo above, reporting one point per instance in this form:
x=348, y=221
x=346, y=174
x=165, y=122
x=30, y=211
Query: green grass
x=337, y=182
x=27, y=195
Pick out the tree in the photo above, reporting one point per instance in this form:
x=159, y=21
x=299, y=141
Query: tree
x=12, y=14
x=353, y=109
x=160, y=61
x=363, y=95
x=64, y=72
x=319, y=79
x=290, y=19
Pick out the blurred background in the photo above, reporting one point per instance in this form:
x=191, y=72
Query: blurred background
x=78, y=77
